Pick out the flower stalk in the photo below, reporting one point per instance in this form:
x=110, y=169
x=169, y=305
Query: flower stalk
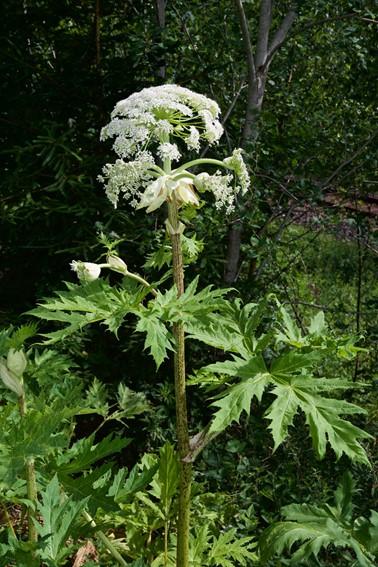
x=182, y=554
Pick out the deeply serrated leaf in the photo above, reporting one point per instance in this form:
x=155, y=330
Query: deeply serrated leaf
x=322, y=416
x=237, y=400
x=281, y=414
x=137, y=480
x=58, y=516
x=82, y=305
x=158, y=338
x=85, y=452
x=315, y=527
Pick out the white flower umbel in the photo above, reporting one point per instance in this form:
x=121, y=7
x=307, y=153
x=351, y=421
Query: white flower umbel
x=158, y=119
x=222, y=188
x=169, y=151
x=236, y=163
x=126, y=178
x=156, y=113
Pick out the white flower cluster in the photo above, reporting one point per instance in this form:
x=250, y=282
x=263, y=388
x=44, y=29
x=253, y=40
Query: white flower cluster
x=160, y=117
x=221, y=187
x=157, y=113
x=236, y=163
x=169, y=151
x=127, y=178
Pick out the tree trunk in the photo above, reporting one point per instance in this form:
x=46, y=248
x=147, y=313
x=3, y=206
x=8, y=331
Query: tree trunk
x=160, y=11
x=258, y=65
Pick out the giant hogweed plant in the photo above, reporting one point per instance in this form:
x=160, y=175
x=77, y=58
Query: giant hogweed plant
x=151, y=128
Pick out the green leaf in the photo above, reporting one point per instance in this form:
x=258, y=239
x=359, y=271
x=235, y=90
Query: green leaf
x=37, y=435
x=93, y=485
x=85, y=452
x=373, y=532
x=59, y=516
x=315, y=527
x=281, y=414
x=343, y=496
x=289, y=332
x=292, y=362
x=214, y=331
x=322, y=416
x=132, y=403
x=138, y=479
x=84, y=304
x=229, y=549
x=22, y=334
x=237, y=400
x=158, y=338
x=168, y=476
x=239, y=367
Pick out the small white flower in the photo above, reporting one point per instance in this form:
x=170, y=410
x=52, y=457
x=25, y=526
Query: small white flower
x=193, y=140
x=221, y=187
x=126, y=177
x=86, y=271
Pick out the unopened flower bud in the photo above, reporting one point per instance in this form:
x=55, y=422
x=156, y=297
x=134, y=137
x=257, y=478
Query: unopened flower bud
x=10, y=379
x=185, y=192
x=116, y=264
x=86, y=271
x=16, y=362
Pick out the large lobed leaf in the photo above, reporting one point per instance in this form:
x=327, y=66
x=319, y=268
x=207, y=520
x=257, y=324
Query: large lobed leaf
x=296, y=390
x=310, y=528
x=82, y=305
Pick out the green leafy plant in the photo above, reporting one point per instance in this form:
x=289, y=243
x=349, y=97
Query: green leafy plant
x=43, y=471
x=311, y=528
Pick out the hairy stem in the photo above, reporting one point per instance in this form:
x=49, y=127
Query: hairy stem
x=31, y=483
x=182, y=557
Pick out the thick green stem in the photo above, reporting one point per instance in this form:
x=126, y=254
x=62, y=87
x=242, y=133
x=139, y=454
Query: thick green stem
x=182, y=559
x=200, y=161
x=106, y=541
x=31, y=483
